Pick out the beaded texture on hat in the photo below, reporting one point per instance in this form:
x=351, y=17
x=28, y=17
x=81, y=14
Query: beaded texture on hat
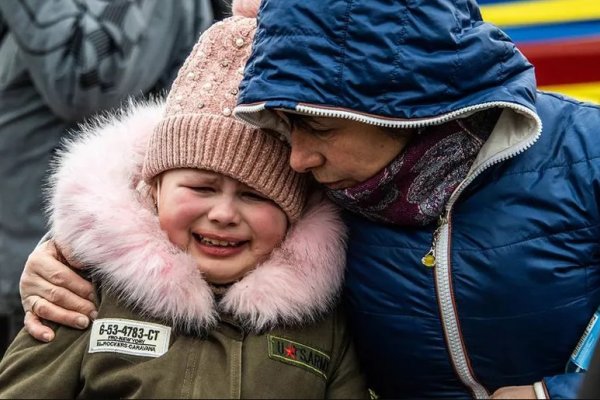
x=207, y=88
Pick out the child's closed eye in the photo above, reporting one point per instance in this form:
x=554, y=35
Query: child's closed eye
x=202, y=189
x=254, y=196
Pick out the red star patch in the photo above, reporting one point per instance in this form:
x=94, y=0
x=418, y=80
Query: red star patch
x=290, y=352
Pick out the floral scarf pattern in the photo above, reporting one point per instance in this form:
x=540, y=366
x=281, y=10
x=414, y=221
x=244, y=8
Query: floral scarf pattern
x=414, y=188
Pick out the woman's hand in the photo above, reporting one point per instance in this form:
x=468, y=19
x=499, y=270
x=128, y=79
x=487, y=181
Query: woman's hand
x=515, y=392
x=51, y=290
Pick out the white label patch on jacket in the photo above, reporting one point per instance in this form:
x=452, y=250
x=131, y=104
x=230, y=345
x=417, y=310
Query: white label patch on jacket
x=144, y=339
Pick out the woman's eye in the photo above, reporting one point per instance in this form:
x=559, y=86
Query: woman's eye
x=321, y=132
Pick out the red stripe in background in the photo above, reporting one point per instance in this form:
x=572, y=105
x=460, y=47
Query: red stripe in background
x=564, y=61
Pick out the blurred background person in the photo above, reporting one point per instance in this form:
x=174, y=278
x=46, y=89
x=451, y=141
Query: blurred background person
x=60, y=62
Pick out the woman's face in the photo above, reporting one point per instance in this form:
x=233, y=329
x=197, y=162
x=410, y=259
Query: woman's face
x=341, y=153
x=226, y=226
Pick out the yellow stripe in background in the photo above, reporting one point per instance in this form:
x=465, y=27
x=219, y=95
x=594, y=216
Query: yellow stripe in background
x=534, y=12
x=582, y=91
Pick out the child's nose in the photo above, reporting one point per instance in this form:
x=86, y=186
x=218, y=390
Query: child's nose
x=224, y=212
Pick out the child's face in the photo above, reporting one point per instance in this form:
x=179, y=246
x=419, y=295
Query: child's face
x=225, y=225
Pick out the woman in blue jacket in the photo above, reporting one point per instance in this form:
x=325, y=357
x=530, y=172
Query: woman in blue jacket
x=474, y=254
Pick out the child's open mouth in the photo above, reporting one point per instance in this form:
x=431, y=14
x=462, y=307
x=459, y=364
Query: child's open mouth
x=215, y=242
x=218, y=248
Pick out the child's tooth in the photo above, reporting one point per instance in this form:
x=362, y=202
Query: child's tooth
x=216, y=242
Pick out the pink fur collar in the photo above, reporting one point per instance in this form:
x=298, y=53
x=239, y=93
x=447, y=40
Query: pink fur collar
x=97, y=209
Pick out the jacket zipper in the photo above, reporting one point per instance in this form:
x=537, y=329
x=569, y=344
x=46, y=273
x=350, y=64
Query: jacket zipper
x=441, y=249
x=458, y=354
x=243, y=112
x=429, y=259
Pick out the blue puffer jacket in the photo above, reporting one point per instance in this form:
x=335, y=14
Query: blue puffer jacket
x=517, y=274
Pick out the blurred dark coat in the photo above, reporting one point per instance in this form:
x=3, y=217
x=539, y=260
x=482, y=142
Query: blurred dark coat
x=61, y=62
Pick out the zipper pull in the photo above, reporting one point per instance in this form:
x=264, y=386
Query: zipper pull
x=428, y=259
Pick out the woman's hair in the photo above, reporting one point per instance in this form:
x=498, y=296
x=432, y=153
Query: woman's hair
x=399, y=132
x=301, y=121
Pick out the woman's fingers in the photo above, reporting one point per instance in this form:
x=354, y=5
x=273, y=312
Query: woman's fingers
x=53, y=291
x=58, y=297
x=60, y=285
x=47, y=262
x=34, y=326
x=46, y=310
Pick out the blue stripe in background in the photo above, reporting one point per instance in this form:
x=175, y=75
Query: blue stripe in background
x=569, y=30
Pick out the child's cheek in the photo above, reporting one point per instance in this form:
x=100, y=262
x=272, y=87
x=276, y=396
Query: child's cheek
x=178, y=216
x=187, y=207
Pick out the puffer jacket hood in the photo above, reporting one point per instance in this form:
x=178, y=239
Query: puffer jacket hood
x=390, y=63
x=98, y=210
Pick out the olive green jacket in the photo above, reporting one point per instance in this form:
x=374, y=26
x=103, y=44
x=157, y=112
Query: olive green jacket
x=316, y=361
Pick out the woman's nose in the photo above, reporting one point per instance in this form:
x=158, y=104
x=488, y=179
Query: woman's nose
x=304, y=156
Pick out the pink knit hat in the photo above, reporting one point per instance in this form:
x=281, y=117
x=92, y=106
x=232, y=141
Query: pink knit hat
x=199, y=131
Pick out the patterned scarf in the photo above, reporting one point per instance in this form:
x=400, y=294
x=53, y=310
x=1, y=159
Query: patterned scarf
x=414, y=188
